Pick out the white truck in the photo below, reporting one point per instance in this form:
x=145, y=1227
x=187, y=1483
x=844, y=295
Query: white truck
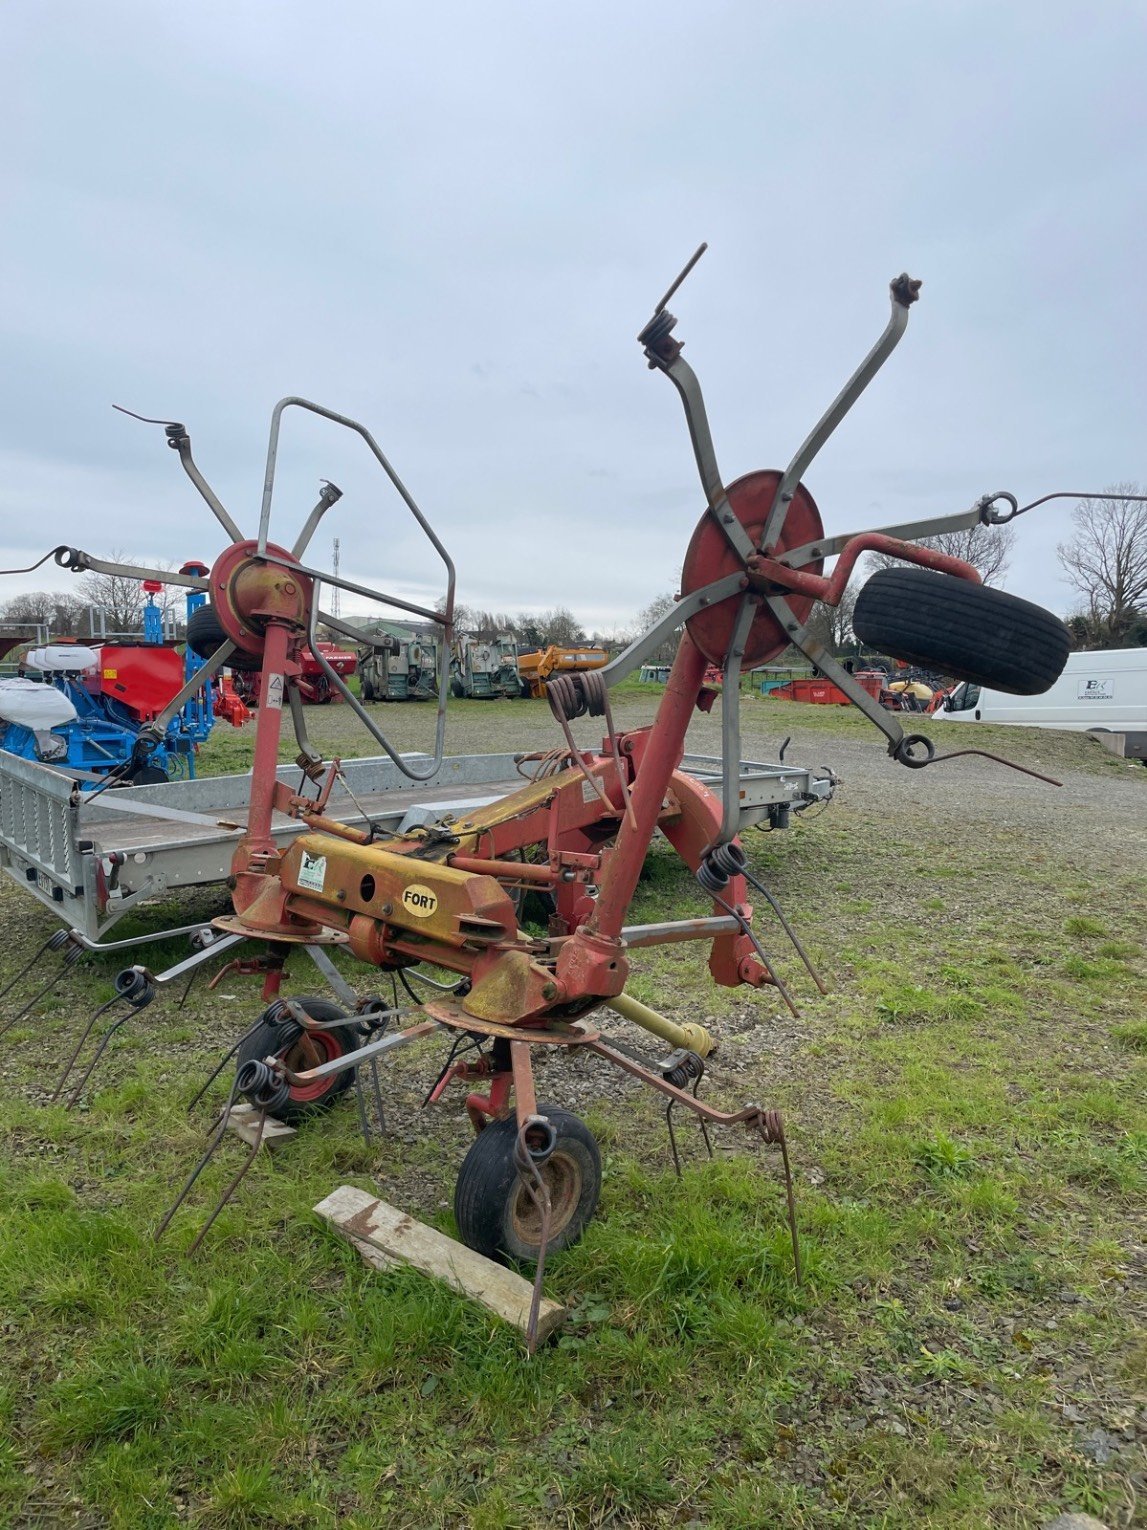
x=1100, y=692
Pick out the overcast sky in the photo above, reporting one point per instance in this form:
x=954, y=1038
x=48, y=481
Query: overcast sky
x=450, y=221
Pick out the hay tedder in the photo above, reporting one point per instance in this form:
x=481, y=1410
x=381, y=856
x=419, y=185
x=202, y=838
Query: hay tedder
x=446, y=896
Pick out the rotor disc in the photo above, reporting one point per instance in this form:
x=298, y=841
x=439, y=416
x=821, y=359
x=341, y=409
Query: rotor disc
x=711, y=556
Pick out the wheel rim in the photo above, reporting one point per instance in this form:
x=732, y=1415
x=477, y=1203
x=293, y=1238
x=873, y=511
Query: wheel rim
x=562, y=1176
x=308, y=1050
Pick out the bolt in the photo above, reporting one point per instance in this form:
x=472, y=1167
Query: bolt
x=387, y=908
x=288, y=588
x=341, y=895
x=549, y=991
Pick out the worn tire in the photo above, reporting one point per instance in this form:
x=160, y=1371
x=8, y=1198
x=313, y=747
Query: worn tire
x=205, y=633
x=279, y=1038
x=966, y=630
x=494, y=1213
x=366, y=687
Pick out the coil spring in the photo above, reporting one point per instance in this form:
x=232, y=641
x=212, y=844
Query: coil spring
x=277, y=1013
x=262, y=1085
x=771, y=1126
x=134, y=987
x=721, y=863
x=687, y=1068
x=576, y=695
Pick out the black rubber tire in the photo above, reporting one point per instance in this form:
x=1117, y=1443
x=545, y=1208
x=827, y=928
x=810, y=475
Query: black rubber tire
x=274, y=1038
x=366, y=686
x=486, y=1196
x=968, y=631
x=457, y=690
x=205, y=633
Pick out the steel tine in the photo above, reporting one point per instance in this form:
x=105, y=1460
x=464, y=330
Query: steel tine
x=71, y=1063
x=530, y=1176
x=220, y=1128
x=224, y=1060
x=73, y=1098
x=8, y=987
x=360, y=1104
x=788, y=929
x=377, y=1088
x=235, y=1183
x=673, y=1138
x=69, y=961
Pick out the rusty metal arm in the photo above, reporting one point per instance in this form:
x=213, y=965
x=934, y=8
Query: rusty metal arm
x=904, y=292
x=685, y=380
x=356, y=634
x=731, y=722
x=158, y=727
x=362, y=1054
x=639, y=650
x=364, y=716
x=76, y=561
x=900, y=745
x=376, y=450
x=358, y=589
x=182, y=444
x=329, y=495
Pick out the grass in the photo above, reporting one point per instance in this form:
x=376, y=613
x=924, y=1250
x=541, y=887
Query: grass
x=969, y=1139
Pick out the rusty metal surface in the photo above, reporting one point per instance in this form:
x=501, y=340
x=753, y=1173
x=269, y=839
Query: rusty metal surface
x=553, y=1033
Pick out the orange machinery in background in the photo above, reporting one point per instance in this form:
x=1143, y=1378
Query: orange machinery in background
x=534, y=669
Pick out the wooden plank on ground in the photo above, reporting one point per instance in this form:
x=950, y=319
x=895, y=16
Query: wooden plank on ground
x=365, y=1220
x=244, y=1122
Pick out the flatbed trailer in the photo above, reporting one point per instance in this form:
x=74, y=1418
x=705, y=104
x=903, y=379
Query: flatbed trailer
x=90, y=861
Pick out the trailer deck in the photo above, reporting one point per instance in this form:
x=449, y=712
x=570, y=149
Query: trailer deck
x=91, y=861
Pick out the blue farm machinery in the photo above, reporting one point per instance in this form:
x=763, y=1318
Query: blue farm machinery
x=87, y=712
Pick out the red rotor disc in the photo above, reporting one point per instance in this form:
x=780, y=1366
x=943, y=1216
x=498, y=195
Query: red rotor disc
x=711, y=556
x=246, y=590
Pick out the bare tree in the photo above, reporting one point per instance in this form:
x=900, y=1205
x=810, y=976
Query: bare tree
x=561, y=626
x=653, y=612
x=1106, y=561
x=122, y=598
x=986, y=548
x=832, y=625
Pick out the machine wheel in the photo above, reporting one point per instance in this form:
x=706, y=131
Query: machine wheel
x=966, y=630
x=493, y=1209
x=205, y=633
x=457, y=689
x=284, y=1038
x=366, y=686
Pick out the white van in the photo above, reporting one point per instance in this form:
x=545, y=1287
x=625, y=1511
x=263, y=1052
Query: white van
x=1100, y=692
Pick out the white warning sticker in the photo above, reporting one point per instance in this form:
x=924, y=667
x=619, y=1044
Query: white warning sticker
x=312, y=872
x=275, y=691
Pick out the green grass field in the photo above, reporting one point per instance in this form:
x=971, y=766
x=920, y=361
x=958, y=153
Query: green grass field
x=966, y=1114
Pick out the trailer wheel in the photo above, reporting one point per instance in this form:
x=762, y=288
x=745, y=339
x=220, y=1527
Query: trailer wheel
x=366, y=686
x=205, y=634
x=284, y=1038
x=966, y=630
x=496, y=1214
